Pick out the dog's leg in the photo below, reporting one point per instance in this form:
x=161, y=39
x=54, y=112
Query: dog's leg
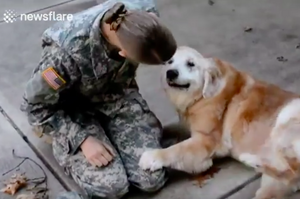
x=192, y=155
x=272, y=188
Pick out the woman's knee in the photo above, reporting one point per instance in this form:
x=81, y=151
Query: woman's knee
x=106, y=186
x=105, y=182
x=151, y=182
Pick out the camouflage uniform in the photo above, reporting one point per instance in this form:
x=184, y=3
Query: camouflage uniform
x=77, y=91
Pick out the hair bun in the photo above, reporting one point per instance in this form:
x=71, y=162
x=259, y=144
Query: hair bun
x=115, y=15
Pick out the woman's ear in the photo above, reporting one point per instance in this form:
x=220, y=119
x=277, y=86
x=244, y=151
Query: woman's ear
x=122, y=53
x=153, y=14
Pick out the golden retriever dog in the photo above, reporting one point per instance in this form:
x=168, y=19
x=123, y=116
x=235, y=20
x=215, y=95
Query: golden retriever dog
x=229, y=113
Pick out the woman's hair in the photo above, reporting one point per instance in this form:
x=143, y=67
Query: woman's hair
x=141, y=35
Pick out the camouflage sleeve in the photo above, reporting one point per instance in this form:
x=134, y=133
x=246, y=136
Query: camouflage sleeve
x=55, y=74
x=147, y=5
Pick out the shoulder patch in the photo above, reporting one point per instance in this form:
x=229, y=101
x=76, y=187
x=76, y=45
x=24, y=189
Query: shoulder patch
x=53, y=78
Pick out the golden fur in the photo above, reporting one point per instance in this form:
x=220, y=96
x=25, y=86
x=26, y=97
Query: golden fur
x=230, y=113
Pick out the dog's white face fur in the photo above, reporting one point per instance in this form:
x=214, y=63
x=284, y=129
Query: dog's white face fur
x=189, y=76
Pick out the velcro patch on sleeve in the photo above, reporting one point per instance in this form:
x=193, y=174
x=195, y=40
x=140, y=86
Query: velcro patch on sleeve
x=53, y=78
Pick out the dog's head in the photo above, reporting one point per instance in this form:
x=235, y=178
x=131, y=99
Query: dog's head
x=189, y=76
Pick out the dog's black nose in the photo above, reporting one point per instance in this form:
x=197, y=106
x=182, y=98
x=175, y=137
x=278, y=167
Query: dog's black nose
x=172, y=74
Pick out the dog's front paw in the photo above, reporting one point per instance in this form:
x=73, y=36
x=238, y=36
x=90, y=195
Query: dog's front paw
x=150, y=160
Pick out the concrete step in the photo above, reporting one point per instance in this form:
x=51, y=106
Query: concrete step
x=10, y=140
x=248, y=192
x=214, y=30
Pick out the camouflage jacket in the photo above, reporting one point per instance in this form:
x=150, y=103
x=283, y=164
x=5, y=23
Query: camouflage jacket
x=75, y=61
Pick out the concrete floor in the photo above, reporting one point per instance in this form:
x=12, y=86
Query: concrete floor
x=216, y=30
x=10, y=140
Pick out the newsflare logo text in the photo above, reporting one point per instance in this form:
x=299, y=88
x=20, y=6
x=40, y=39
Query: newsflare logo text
x=11, y=16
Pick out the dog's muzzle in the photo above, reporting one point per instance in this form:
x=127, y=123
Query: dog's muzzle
x=172, y=74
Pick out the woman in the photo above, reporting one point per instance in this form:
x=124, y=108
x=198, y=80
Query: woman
x=84, y=93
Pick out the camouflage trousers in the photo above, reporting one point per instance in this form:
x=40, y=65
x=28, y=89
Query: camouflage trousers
x=130, y=129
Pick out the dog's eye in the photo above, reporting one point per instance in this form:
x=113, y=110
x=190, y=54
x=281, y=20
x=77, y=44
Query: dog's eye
x=170, y=61
x=190, y=64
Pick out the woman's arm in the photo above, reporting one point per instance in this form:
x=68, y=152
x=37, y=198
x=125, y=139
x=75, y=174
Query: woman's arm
x=55, y=74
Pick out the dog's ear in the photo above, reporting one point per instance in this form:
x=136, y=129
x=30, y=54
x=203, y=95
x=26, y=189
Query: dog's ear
x=212, y=80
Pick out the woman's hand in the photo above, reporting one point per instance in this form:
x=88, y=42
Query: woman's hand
x=97, y=152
